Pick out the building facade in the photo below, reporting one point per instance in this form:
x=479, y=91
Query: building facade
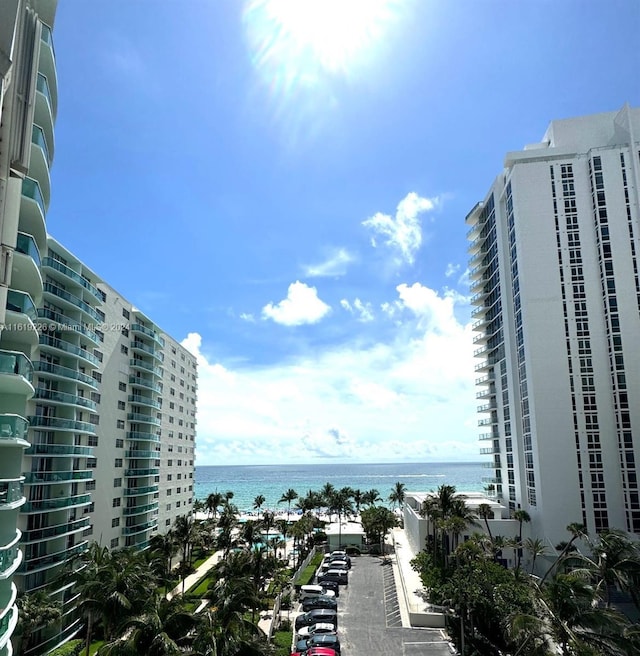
x=554, y=269
x=28, y=99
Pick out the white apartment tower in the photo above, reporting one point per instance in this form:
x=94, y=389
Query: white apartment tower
x=28, y=99
x=554, y=270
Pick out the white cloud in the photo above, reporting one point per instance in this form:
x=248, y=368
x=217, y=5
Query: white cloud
x=451, y=269
x=247, y=316
x=301, y=306
x=363, y=311
x=407, y=398
x=335, y=265
x=403, y=233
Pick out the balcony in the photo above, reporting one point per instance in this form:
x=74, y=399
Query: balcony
x=16, y=373
x=56, y=504
x=142, y=454
x=147, y=366
x=137, y=491
x=51, y=560
x=139, y=328
x=10, y=559
x=144, y=400
x=60, y=450
x=139, y=418
x=8, y=624
x=65, y=398
x=47, y=63
x=153, y=471
x=44, y=114
x=143, y=381
x=139, y=510
x=71, y=299
x=22, y=303
x=11, y=493
x=487, y=422
x=32, y=213
x=57, y=423
x=137, y=345
x=75, y=277
x=488, y=436
x=31, y=478
x=68, y=347
x=142, y=437
x=26, y=245
x=50, y=532
x=489, y=450
x=138, y=528
x=59, y=372
x=13, y=427
x=67, y=324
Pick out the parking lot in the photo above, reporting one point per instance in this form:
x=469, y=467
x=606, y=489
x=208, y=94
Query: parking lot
x=369, y=616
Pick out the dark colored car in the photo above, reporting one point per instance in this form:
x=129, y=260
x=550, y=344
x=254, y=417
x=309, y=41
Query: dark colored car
x=340, y=576
x=319, y=602
x=329, y=640
x=334, y=586
x=317, y=615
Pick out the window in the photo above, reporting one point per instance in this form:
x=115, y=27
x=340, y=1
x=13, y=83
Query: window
x=115, y=542
x=118, y=462
x=115, y=502
x=119, y=443
x=123, y=349
x=92, y=440
x=168, y=506
x=90, y=485
x=125, y=313
x=172, y=405
x=99, y=335
x=125, y=331
x=169, y=477
x=178, y=504
x=169, y=492
x=92, y=464
x=121, y=405
x=117, y=482
x=122, y=387
x=169, y=463
x=115, y=522
x=167, y=522
x=120, y=423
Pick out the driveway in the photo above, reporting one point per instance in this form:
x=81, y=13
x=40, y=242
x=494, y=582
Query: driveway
x=369, y=616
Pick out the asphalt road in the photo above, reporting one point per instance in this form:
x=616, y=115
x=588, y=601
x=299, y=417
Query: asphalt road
x=369, y=616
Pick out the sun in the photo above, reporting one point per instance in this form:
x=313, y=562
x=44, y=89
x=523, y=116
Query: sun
x=305, y=39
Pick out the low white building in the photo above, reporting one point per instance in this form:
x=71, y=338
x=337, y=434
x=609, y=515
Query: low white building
x=344, y=535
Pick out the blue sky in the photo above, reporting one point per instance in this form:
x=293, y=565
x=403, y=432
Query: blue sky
x=285, y=189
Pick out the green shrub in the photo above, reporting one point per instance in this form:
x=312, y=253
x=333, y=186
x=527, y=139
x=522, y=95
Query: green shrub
x=71, y=648
x=353, y=551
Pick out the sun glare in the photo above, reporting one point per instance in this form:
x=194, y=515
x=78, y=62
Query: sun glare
x=301, y=41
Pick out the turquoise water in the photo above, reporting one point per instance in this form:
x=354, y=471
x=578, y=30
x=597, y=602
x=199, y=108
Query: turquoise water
x=272, y=481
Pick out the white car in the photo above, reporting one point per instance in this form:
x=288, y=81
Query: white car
x=314, y=629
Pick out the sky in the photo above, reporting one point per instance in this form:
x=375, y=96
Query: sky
x=282, y=186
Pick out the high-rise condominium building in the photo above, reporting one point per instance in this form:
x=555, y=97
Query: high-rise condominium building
x=28, y=99
x=112, y=430
x=554, y=270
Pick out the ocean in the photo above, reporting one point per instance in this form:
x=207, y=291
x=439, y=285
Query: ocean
x=272, y=481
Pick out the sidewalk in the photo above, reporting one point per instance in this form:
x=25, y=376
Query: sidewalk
x=192, y=579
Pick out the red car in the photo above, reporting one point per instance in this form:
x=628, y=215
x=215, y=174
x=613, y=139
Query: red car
x=321, y=651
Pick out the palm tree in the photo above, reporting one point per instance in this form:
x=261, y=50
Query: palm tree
x=163, y=548
x=536, y=547
x=283, y=526
x=341, y=504
x=213, y=502
x=199, y=506
x=521, y=516
x=485, y=512
x=268, y=522
x=289, y=496
x=370, y=497
x=357, y=499
x=36, y=611
x=397, y=494
x=258, y=502
x=577, y=531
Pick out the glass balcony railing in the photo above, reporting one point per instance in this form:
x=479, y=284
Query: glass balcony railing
x=63, y=397
x=10, y=492
x=46, y=35
x=6, y=621
x=55, y=504
x=58, y=476
x=21, y=302
x=42, y=85
x=141, y=346
x=142, y=437
x=64, y=372
x=59, y=450
x=147, y=366
x=142, y=454
x=62, y=424
x=31, y=189
x=12, y=426
x=139, y=510
x=71, y=298
x=69, y=325
x=38, y=138
x=144, y=400
x=153, y=471
x=138, y=528
x=26, y=244
x=73, y=275
x=139, y=328
x=67, y=347
x=51, y=560
x=54, y=531
x=8, y=557
x=16, y=362
x=140, y=418
x=143, y=381
x=135, y=491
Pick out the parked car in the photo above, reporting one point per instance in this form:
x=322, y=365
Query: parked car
x=323, y=601
x=313, y=629
x=339, y=564
x=340, y=576
x=332, y=585
x=330, y=640
x=320, y=651
x=340, y=555
x=316, y=615
x=307, y=591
